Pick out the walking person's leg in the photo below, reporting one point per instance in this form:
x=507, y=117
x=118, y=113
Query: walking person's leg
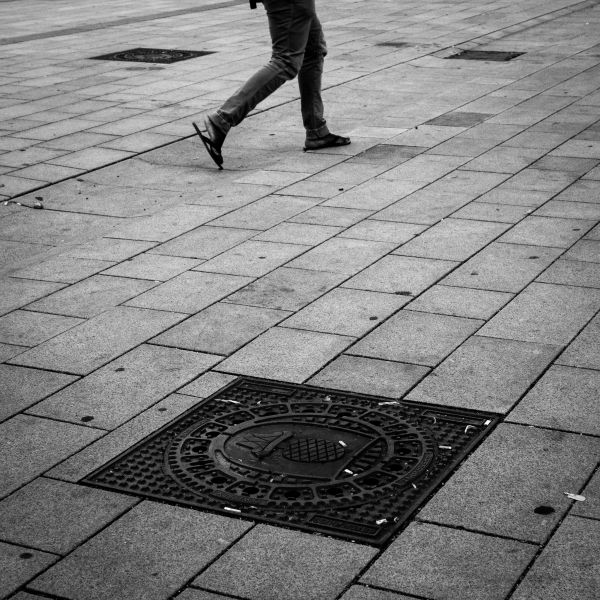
x=311, y=103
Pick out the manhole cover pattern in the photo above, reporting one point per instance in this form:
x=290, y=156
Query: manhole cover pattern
x=152, y=55
x=345, y=464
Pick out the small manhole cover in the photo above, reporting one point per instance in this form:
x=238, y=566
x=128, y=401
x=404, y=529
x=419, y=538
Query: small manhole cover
x=493, y=55
x=342, y=464
x=152, y=55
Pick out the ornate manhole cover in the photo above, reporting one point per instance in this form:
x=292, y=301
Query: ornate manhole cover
x=489, y=55
x=344, y=464
x=152, y=55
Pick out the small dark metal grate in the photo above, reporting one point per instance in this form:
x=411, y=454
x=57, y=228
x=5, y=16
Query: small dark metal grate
x=343, y=464
x=394, y=44
x=491, y=55
x=152, y=55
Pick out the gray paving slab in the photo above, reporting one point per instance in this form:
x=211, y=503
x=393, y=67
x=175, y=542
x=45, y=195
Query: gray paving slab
x=503, y=267
x=143, y=376
x=590, y=507
x=453, y=239
x=167, y=224
x=494, y=212
x=298, y=233
x=287, y=289
x=531, y=468
x=545, y=313
x=508, y=196
x=109, y=249
x=195, y=594
x=207, y=384
x=384, y=231
x=586, y=250
x=17, y=293
x=406, y=275
x=221, y=328
x=346, y=312
x=253, y=258
x=541, y=180
x=190, y=292
x=416, y=337
x=205, y=242
x=505, y=160
x=369, y=376
x=7, y=351
x=22, y=387
x=564, y=398
x=155, y=267
x=19, y=565
x=30, y=445
x=342, y=255
x=570, y=210
x=331, y=216
x=99, y=340
x=117, y=441
x=568, y=567
x=486, y=374
x=583, y=350
x=461, y=302
x=286, y=354
x=572, y=272
x=28, y=328
x=270, y=563
x=364, y=592
x=55, y=516
x=547, y=231
x=92, y=296
x=439, y=562
x=165, y=546
x=63, y=269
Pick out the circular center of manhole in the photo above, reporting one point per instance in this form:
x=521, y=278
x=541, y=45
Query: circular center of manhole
x=300, y=455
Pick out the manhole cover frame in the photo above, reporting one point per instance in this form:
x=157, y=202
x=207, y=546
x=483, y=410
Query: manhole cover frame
x=331, y=521
x=163, y=56
x=486, y=55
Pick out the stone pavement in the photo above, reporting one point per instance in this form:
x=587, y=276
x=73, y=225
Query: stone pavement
x=450, y=255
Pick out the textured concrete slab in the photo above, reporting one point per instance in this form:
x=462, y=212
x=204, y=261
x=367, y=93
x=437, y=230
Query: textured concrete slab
x=7, y=351
x=547, y=231
x=564, y=398
x=20, y=292
x=92, y=296
x=591, y=506
x=364, y=592
x=142, y=377
x=452, y=239
x=221, y=328
x=63, y=269
x=486, y=374
x=494, y=212
x=97, y=341
x=568, y=567
x=583, y=350
x=385, y=231
x=438, y=562
x=204, y=242
x=207, y=384
x=253, y=258
x=376, y=193
x=298, y=233
x=190, y=292
x=331, y=216
x=161, y=554
x=114, y=443
x=109, y=249
x=271, y=563
x=461, y=302
x=570, y=210
x=28, y=328
x=287, y=289
x=505, y=504
x=22, y=387
x=369, y=376
x=545, y=313
x=155, y=267
x=19, y=565
x=404, y=275
x=585, y=250
x=342, y=255
x=194, y=594
x=503, y=267
x=55, y=516
x=30, y=445
x=572, y=272
x=286, y=354
x=416, y=337
x=346, y=312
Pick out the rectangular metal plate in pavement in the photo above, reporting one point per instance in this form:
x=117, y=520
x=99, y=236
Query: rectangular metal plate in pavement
x=487, y=55
x=152, y=55
x=338, y=463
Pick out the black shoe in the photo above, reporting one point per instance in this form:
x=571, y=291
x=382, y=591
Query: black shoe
x=213, y=140
x=329, y=141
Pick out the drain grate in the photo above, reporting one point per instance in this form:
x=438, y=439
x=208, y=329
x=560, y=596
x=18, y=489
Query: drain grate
x=152, y=55
x=490, y=55
x=343, y=464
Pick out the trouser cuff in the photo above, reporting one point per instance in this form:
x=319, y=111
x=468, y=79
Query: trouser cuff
x=319, y=132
